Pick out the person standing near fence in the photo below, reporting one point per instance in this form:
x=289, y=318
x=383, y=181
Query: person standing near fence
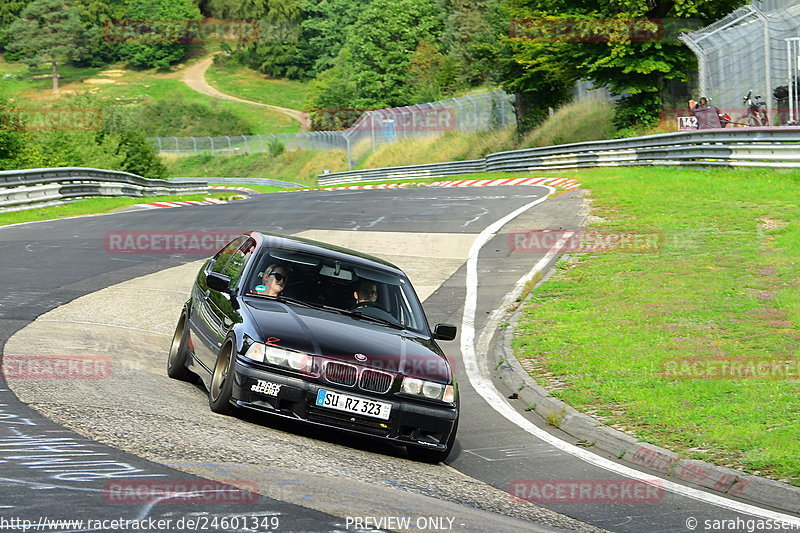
x=707, y=116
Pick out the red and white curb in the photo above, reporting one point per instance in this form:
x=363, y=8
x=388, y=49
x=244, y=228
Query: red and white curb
x=240, y=189
x=564, y=183
x=186, y=203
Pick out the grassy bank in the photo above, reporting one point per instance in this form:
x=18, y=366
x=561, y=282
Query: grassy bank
x=299, y=167
x=31, y=87
x=93, y=206
x=249, y=84
x=607, y=333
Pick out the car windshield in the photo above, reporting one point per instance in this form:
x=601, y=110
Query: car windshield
x=337, y=286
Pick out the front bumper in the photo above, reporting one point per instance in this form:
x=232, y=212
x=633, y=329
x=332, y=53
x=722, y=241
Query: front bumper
x=410, y=424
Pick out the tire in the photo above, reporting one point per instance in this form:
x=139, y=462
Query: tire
x=221, y=388
x=179, y=352
x=426, y=455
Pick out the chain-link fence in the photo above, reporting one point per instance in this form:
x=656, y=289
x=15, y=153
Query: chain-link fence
x=480, y=112
x=749, y=50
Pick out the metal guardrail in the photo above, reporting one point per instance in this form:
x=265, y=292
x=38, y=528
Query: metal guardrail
x=731, y=147
x=22, y=189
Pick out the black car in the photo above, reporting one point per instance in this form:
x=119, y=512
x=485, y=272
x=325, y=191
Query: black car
x=322, y=334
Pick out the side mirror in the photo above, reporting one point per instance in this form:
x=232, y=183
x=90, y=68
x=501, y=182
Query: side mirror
x=444, y=332
x=218, y=282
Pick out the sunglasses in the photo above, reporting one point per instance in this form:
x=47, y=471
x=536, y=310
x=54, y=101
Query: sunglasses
x=278, y=276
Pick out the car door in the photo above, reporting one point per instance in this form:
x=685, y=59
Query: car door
x=223, y=306
x=206, y=320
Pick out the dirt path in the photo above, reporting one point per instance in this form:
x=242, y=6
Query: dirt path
x=195, y=77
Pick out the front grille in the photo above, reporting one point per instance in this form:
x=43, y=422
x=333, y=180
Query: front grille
x=341, y=374
x=375, y=381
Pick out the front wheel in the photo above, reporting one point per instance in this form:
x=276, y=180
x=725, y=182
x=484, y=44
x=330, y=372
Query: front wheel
x=220, y=391
x=179, y=352
x=425, y=455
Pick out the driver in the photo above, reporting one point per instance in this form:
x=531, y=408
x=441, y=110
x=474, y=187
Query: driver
x=275, y=278
x=366, y=293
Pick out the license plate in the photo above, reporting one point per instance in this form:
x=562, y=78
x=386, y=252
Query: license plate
x=353, y=404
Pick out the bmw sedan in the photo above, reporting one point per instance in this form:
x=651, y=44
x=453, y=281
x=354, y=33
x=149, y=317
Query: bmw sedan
x=313, y=332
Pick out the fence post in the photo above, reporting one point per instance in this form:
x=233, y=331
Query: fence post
x=176, y=144
x=194, y=142
x=212, y=144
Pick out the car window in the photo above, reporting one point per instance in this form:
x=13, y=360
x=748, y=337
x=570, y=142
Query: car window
x=235, y=265
x=224, y=255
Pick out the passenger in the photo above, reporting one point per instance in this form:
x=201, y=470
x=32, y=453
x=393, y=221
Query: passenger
x=275, y=279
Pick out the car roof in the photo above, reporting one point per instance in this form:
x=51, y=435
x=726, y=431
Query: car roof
x=301, y=244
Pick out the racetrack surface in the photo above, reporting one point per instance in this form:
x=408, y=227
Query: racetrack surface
x=139, y=410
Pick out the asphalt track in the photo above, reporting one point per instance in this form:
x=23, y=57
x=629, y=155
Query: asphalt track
x=48, y=471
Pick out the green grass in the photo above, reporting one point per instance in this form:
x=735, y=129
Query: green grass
x=249, y=84
x=92, y=206
x=299, y=166
x=130, y=88
x=724, y=284
x=138, y=87
x=589, y=120
x=259, y=188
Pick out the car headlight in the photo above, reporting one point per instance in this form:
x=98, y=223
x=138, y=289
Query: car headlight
x=263, y=353
x=428, y=389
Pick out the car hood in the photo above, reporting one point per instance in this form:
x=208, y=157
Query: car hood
x=341, y=337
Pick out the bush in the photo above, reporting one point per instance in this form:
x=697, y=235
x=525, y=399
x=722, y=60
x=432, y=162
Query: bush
x=275, y=147
x=175, y=117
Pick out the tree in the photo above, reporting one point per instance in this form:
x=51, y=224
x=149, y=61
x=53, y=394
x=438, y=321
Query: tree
x=157, y=35
x=381, y=43
x=324, y=30
x=48, y=31
x=470, y=28
x=618, y=44
x=98, y=17
x=9, y=12
x=433, y=73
